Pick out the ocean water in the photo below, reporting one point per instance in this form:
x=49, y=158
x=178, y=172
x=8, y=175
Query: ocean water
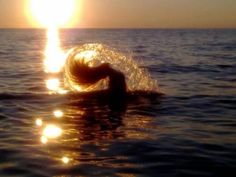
x=189, y=131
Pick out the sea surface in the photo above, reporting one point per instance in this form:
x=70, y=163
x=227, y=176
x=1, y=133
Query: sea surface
x=189, y=131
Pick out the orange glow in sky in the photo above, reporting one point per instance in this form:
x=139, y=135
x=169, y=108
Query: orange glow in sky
x=123, y=14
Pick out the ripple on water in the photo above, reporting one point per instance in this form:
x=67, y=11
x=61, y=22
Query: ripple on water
x=188, y=132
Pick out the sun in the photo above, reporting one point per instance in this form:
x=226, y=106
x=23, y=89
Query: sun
x=52, y=13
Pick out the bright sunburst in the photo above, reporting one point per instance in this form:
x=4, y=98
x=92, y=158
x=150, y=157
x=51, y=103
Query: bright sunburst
x=52, y=12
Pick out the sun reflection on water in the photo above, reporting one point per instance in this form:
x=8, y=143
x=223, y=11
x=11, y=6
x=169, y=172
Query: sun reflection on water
x=53, y=84
x=52, y=131
x=49, y=131
x=53, y=14
x=54, y=61
x=39, y=122
x=44, y=140
x=65, y=160
x=58, y=113
x=55, y=57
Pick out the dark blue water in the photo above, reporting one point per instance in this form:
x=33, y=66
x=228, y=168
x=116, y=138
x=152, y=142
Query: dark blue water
x=191, y=131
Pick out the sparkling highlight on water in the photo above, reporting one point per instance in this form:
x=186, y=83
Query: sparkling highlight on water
x=39, y=122
x=58, y=113
x=65, y=160
x=52, y=131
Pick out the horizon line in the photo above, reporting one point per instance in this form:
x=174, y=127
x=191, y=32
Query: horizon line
x=127, y=28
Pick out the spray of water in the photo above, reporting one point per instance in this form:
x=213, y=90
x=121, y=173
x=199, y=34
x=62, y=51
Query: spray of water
x=96, y=54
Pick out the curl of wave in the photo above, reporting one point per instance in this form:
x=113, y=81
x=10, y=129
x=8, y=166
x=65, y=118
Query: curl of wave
x=92, y=55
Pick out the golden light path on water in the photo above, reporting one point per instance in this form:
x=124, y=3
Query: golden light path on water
x=54, y=61
x=55, y=57
x=50, y=132
x=53, y=14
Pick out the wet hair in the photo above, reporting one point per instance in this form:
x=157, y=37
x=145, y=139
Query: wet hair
x=82, y=74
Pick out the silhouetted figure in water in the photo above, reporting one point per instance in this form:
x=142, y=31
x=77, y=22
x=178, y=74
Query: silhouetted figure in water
x=85, y=75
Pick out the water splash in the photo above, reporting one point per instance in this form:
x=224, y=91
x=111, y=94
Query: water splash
x=96, y=54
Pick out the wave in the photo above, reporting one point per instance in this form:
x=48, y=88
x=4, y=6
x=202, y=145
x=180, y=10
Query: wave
x=21, y=96
x=100, y=94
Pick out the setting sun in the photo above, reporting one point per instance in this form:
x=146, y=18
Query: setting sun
x=52, y=13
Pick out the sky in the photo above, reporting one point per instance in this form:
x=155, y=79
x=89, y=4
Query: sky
x=132, y=14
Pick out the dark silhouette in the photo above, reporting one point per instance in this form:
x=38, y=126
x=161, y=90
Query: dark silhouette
x=99, y=119
x=85, y=75
x=100, y=116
